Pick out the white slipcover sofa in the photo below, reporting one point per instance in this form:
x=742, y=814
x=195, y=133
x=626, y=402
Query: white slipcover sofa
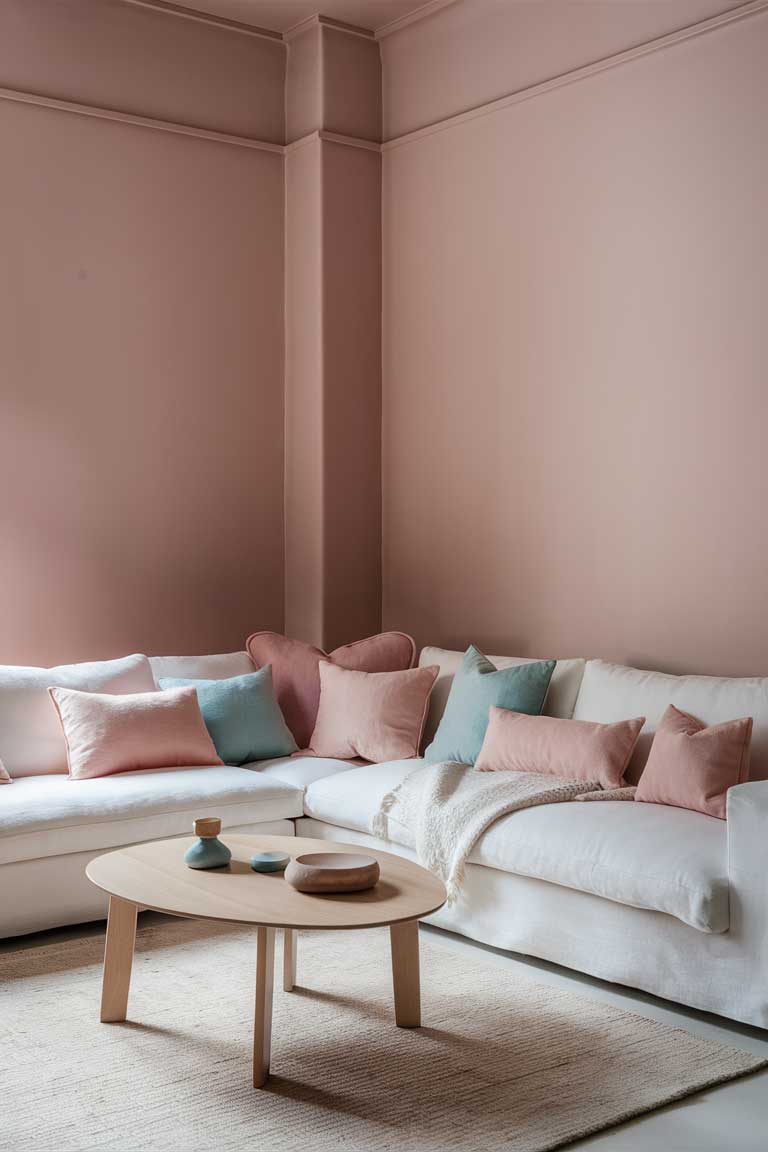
x=659, y=898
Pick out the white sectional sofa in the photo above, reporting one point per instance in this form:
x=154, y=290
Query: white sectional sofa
x=50, y=827
x=659, y=898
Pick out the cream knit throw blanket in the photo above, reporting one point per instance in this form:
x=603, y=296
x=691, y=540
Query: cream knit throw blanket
x=447, y=807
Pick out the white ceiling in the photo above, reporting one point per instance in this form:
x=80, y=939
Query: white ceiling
x=280, y=15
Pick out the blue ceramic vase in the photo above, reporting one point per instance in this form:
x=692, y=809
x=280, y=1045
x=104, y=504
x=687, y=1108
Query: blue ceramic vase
x=208, y=851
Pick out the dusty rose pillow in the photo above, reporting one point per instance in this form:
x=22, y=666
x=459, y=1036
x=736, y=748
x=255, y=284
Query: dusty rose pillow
x=691, y=765
x=296, y=677
x=4, y=776
x=574, y=749
x=376, y=715
x=106, y=734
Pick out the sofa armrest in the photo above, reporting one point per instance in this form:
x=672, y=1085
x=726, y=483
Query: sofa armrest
x=744, y=960
x=747, y=811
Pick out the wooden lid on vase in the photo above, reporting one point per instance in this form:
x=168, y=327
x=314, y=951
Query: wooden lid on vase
x=207, y=827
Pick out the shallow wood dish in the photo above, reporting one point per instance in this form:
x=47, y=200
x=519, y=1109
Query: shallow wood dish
x=326, y=872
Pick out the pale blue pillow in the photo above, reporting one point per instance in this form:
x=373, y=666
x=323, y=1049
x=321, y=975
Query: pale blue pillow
x=477, y=686
x=242, y=716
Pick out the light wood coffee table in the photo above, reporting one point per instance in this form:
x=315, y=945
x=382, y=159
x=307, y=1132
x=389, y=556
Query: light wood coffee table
x=155, y=876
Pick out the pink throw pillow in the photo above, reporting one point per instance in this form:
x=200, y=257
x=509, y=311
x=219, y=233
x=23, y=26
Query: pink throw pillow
x=691, y=765
x=573, y=749
x=296, y=677
x=376, y=715
x=4, y=776
x=106, y=734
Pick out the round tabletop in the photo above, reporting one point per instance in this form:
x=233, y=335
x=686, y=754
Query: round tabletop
x=155, y=876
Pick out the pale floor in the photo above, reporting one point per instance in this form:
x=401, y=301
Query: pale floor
x=730, y=1118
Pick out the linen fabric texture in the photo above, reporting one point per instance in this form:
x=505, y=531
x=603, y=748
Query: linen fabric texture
x=296, y=676
x=242, y=715
x=570, y=749
x=378, y=716
x=106, y=734
x=692, y=765
x=612, y=692
x=447, y=808
x=31, y=740
x=477, y=687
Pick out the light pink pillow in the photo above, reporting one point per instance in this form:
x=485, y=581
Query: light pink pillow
x=692, y=766
x=106, y=733
x=376, y=715
x=295, y=669
x=4, y=777
x=573, y=749
x=31, y=742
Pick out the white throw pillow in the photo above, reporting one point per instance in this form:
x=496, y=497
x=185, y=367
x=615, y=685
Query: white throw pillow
x=222, y=666
x=31, y=740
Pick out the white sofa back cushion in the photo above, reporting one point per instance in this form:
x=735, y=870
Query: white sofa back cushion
x=219, y=667
x=561, y=696
x=612, y=692
x=31, y=739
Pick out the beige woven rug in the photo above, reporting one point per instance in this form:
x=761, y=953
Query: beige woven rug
x=501, y=1063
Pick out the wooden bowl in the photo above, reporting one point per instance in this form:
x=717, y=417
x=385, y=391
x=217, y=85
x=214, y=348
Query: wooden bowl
x=326, y=872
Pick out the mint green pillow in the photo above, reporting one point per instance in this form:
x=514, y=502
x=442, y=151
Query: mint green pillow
x=242, y=716
x=477, y=686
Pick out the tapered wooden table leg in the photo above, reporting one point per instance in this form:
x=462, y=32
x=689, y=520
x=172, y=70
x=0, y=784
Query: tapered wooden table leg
x=262, y=1024
x=118, y=959
x=404, y=939
x=289, y=959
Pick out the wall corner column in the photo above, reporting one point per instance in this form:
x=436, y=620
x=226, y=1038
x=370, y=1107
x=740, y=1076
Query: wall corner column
x=333, y=336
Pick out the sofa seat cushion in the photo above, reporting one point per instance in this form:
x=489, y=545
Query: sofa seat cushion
x=301, y=771
x=51, y=815
x=352, y=800
x=647, y=856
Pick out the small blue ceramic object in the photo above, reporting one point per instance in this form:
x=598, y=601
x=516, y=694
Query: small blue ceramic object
x=270, y=861
x=208, y=851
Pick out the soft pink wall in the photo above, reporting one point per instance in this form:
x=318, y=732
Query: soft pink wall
x=333, y=341
x=304, y=83
x=333, y=82
x=304, y=456
x=146, y=62
x=333, y=393
x=351, y=84
x=574, y=365
x=141, y=315
x=351, y=196
x=143, y=348
x=474, y=51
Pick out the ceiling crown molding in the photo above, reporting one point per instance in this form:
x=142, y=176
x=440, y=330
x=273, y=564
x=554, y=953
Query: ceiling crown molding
x=420, y=13
x=224, y=22
x=207, y=18
x=661, y=43
x=326, y=22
